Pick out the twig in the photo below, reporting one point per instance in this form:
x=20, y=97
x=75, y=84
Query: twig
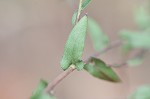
x=111, y=46
x=64, y=74
x=140, y=54
x=59, y=78
x=79, y=11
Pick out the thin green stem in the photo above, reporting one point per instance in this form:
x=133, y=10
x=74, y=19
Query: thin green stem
x=79, y=11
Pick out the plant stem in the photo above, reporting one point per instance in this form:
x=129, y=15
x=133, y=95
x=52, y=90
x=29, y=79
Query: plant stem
x=140, y=54
x=111, y=46
x=79, y=11
x=59, y=78
x=64, y=74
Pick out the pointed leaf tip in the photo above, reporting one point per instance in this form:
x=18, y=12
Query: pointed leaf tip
x=100, y=70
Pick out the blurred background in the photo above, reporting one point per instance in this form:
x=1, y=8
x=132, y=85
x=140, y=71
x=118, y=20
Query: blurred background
x=32, y=38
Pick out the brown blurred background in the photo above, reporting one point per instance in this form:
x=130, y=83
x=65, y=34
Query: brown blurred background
x=32, y=38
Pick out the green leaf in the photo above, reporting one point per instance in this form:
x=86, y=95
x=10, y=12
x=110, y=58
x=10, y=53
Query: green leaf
x=141, y=93
x=136, y=39
x=99, y=39
x=41, y=86
x=85, y=3
x=100, y=70
x=126, y=47
x=45, y=96
x=83, y=6
x=39, y=92
x=79, y=65
x=74, y=17
x=142, y=17
x=75, y=44
x=135, y=62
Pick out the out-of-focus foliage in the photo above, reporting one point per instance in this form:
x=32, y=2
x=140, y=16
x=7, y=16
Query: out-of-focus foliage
x=141, y=93
x=142, y=17
x=133, y=40
x=98, y=37
x=39, y=92
x=139, y=39
x=135, y=62
x=136, y=39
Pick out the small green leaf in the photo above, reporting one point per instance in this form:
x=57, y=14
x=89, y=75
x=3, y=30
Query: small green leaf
x=136, y=39
x=135, y=61
x=85, y=3
x=141, y=93
x=75, y=44
x=39, y=92
x=126, y=48
x=74, y=17
x=99, y=39
x=79, y=65
x=41, y=86
x=45, y=96
x=100, y=70
x=142, y=17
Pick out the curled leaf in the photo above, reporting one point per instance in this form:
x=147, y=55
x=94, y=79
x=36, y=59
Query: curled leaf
x=100, y=70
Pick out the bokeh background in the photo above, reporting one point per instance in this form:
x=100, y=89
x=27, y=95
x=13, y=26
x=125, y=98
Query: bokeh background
x=32, y=38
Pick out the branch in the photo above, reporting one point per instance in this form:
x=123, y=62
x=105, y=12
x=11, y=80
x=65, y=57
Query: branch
x=111, y=46
x=59, y=78
x=64, y=74
x=140, y=54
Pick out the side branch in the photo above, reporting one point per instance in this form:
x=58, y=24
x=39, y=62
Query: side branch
x=64, y=74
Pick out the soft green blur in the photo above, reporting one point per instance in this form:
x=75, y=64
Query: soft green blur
x=32, y=38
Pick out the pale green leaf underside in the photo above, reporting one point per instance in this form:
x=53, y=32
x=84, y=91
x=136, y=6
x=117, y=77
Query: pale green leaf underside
x=99, y=39
x=136, y=39
x=135, y=62
x=141, y=93
x=39, y=92
x=100, y=70
x=142, y=17
x=75, y=44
